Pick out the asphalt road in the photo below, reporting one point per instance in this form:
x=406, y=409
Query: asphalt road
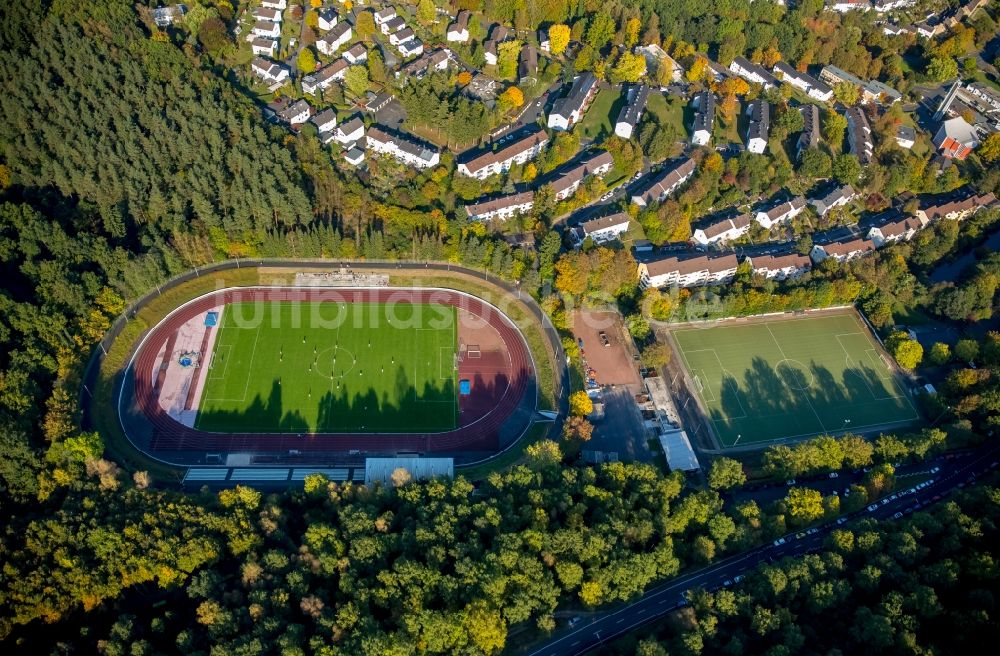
x=658, y=601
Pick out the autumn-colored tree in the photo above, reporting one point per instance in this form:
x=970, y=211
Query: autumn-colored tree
x=306, y=60
x=989, y=149
x=312, y=19
x=511, y=98
x=558, y=38
x=629, y=68
x=580, y=404
x=577, y=429
x=698, y=70
x=464, y=78
x=632, y=27
x=770, y=56
x=426, y=11
x=364, y=26
x=908, y=352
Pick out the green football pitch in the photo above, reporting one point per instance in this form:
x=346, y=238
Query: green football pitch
x=792, y=378
x=282, y=367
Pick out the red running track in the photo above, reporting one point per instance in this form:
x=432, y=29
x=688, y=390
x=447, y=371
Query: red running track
x=482, y=419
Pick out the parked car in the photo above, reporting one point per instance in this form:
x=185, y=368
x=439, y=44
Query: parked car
x=813, y=531
x=841, y=521
x=873, y=507
x=790, y=481
x=834, y=475
x=779, y=542
x=897, y=515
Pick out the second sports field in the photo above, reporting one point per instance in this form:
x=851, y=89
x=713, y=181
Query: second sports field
x=783, y=379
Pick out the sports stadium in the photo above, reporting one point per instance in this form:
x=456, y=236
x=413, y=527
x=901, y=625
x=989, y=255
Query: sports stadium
x=287, y=375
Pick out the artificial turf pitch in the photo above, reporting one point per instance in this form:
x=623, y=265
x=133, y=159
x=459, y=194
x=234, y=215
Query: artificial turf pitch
x=280, y=367
x=783, y=379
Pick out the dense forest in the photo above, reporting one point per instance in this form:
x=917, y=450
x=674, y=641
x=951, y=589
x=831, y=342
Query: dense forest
x=924, y=585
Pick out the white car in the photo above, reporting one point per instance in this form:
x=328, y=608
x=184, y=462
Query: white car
x=873, y=507
x=779, y=542
x=834, y=475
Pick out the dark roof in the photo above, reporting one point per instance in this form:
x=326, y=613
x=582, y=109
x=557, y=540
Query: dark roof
x=757, y=69
x=809, y=138
x=574, y=100
x=777, y=262
x=658, y=186
x=351, y=125
x=636, y=105
x=528, y=61
x=487, y=206
x=324, y=116
x=600, y=223
x=534, y=136
x=404, y=143
x=705, y=116
x=690, y=263
x=580, y=171
x=760, y=119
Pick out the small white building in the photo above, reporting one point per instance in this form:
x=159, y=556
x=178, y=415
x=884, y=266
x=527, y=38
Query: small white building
x=605, y=228
x=385, y=15
x=720, y=231
x=356, y=54
x=325, y=121
x=902, y=229
x=267, y=29
x=262, y=46
x=906, y=136
x=501, y=209
x=411, y=48
x=280, y=5
x=351, y=131
x=458, y=31
x=268, y=70
x=265, y=14
x=335, y=39
x=781, y=213
x=328, y=19
x=392, y=25
x=355, y=156
x=404, y=34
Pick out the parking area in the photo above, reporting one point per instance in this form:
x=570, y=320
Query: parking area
x=613, y=381
x=392, y=115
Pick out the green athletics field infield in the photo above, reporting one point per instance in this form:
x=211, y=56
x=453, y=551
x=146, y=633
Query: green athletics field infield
x=279, y=367
x=783, y=379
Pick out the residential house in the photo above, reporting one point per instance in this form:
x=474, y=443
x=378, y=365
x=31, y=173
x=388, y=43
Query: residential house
x=751, y=72
x=459, y=30
x=437, y=60
x=842, y=251
x=929, y=29
x=900, y=229
x=327, y=19
x=721, y=230
x=410, y=48
x=884, y=6
x=518, y=151
x=502, y=208
x=267, y=29
x=401, y=36
x=262, y=46
x=568, y=110
x=656, y=56
x=760, y=123
x=351, y=131
x=324, y=78
x=956, y=138
x=809, y=137
x=717, y=70
x=498, y=34
x=325, y=121
x=844, y=6
x=280, y=5
x=780, y=267
x=383, y=16
x=956, y=209
x=544, y=44
x=906, y=136
x=293, y=113
x=859, y=135
x=392, y=25
x=629, y=116
x=570, y=178
x=378, y=101
x=704, y=118
x=687, y=270
x=780, y=213
x=333, y=40
x=872, y=91
x=356, y=54
x=527, y=64
x=165, y=16
x=268, y=70
x=986, y=94
x=264, y=14
x=355, y=156
x=814, y=88
x=605, y=228
x=836, y=197
x=406, y=150
x=665, y=183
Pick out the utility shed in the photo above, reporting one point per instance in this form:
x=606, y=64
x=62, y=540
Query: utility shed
x=379, y=470
x=677, y=448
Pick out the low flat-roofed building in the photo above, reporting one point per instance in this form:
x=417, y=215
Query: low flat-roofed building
x=679, y=453
x=396, y=471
